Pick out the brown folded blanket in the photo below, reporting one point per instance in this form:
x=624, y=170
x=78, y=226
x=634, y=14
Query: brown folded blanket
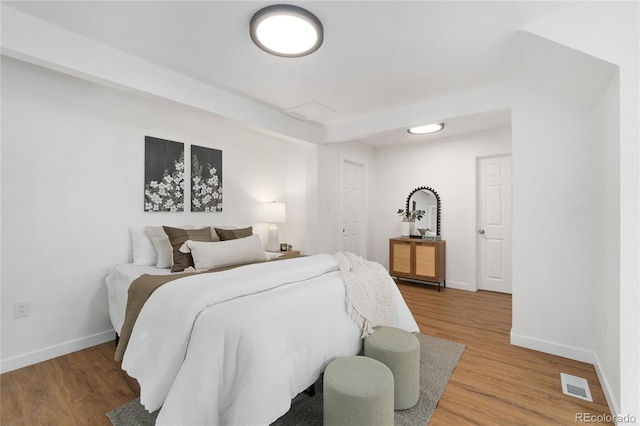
x=139, y=291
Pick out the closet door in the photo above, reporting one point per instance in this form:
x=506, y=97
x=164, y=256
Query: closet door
x=353, y=228
x=494, y=224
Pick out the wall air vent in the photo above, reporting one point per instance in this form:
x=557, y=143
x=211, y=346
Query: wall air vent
x=575, y=386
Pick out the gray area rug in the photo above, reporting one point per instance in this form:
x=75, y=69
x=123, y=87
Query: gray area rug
x=438, y=359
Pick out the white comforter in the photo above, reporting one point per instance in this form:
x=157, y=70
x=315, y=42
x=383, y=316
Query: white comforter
x=235, y=347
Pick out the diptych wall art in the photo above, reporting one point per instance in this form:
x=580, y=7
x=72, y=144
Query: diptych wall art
x=163, y=175
x=206, y=179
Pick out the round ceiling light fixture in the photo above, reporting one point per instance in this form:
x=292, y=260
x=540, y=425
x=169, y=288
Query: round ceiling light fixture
x=286, y=30
x=426, y=129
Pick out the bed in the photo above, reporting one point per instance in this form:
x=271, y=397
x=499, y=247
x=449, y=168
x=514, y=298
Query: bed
x=235, y=346
x=119, y=279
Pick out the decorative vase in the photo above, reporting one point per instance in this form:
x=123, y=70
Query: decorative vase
x=406, y=227
x=412, y=227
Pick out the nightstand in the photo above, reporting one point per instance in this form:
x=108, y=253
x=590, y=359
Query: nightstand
x=289, y=254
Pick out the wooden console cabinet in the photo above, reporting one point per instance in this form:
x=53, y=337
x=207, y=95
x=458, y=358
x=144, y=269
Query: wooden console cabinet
x=418, y=259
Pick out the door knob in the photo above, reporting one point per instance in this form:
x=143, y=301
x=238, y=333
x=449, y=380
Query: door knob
x=481, y=232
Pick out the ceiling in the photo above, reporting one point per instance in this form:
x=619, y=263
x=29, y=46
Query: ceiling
x=377, y=56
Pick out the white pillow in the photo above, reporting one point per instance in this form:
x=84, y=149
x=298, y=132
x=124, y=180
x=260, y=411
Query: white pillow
x=144, y=254
x=211, y=255
x=162, y=245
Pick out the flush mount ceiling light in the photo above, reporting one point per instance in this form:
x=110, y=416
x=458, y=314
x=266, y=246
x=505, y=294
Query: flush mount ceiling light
x=426, y=129
x=286, y=30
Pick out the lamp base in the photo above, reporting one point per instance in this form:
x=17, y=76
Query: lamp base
x=273, y=239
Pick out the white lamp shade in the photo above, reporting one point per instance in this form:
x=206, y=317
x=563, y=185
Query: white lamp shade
x=273, y=213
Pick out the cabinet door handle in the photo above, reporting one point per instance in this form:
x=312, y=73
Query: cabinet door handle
x=481, y=232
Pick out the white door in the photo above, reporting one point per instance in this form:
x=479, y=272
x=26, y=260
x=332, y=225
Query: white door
x=494, y=224
x=352, y=207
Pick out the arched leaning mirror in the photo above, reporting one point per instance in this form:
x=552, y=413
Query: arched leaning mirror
x=427, y=200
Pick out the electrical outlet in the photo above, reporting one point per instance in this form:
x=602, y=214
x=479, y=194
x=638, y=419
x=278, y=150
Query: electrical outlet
x=21, y=309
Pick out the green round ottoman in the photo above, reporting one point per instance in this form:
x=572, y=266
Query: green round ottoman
x=400, y=351
x=357, y=391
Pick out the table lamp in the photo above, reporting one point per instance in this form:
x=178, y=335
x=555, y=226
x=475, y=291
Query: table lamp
x=273, y=213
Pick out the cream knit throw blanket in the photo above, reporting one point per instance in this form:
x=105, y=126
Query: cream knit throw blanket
x=369, y=292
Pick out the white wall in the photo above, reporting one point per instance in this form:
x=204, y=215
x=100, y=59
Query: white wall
x=557, y=231
x=72, y=183
x=448, y=166
x=607, y=332
x=611, y=31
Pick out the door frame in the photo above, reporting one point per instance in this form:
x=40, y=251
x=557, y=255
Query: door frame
x=473, y=219
x=363, y=166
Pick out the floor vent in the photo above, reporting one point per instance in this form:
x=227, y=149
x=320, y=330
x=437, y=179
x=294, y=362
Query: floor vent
x=575, y=386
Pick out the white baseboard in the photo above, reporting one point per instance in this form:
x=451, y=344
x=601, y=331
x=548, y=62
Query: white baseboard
x=460, y=286
x=450, y=284
x=50, y=352
x=552, y=348
x=614, y=407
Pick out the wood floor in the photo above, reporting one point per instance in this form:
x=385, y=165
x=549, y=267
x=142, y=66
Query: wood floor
x=494, y=382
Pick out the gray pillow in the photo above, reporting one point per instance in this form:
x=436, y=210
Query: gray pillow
x=177, y=237
x=161, y=244
x=233, y=234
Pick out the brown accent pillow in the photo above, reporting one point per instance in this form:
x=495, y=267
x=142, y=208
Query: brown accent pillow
x=234, y=234
x=177, y=237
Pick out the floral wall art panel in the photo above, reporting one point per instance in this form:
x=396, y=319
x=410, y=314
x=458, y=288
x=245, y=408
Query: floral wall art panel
x=163, y=175
x=206, y=179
